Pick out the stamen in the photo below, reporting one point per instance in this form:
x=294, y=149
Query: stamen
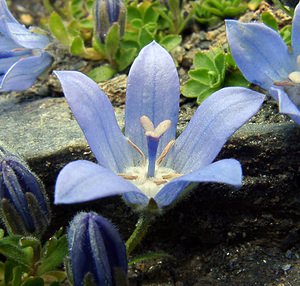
x=160, y=182
x=165, y=152
x=127, y=176
x=136, y=148
x=284, y=83
x=147, y=123
x=295, y=76
x=171, y=176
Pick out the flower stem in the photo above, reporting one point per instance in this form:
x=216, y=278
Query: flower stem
x=140, y=231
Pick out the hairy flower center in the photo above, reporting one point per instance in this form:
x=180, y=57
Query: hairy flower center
x=292, y=85
x=150, y=177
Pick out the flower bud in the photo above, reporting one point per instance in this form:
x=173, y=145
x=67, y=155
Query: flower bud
x=24, y=204
x=108, y=12
x=97, y=254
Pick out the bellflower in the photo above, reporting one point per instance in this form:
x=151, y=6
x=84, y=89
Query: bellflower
x=96, y=251
x=22, y=55
x=24, y=204
x=265, y=60
x=147, y=163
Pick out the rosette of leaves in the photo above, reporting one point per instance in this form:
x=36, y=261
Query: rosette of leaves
x=211, y=71
x=29, y=263
x=211, y=12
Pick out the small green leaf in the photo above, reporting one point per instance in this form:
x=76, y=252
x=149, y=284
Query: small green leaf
x=53, y=254
x=269, y=20
x=170, y=42
x=102, y=73
x=17, y=276
x=126, y=57
x=192, y=88
x=77, y=47
x=203, y=60
x=33, y=281
x=236, y=78
x=112, y=41
x=58, y=28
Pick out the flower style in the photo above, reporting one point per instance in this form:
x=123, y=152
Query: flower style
x=22, y=55
x=147, y=163
x=265, y=60
x=96, y=250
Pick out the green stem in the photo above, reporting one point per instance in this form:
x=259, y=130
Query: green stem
x=140, y=231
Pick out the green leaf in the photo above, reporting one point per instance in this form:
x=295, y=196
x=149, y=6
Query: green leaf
x=112, y=41
x=33, y=281
x=53, y=254
x=203, y=60
x=77, y=47
x=192, y=88
x=170, y=42
x=58, y=28
x=269, y=20
x=150, y=15
x=17, y=276
x=236, y=78
x=201, y=76
x=102, y=73
x=125, y=57
x=205, y=94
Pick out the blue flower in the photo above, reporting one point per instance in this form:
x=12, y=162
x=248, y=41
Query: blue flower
x=265, y=60
x=147, y=162
x=22, y=55
x=24, y=204
x=96, y=250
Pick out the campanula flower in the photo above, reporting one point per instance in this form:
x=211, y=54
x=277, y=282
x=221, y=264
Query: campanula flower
x=96, y=250
x=108, y=12
x=24, y=204
x=22, y=54
x=147, y=163
x=265, y=60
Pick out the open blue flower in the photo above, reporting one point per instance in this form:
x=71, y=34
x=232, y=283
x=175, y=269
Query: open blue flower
x=22, y=55
x=147, y=162
x=265, y=60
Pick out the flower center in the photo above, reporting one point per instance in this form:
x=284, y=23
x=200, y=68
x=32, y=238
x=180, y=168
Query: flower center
x=292, y=85
x=150, y=177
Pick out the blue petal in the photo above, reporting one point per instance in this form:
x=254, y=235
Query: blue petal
x=22, y=74
x=82, y=181
x=259, y=52
x=11, y=28
x=96, y=117
x=136, y=199
x=215, y=120
x=7, y=44
x=296, y=31
x=227, y=171
x=286, y=105
x=152, y=90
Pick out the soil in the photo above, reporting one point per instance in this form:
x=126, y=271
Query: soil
x=215, y=236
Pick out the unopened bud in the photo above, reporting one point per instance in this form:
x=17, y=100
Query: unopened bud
x=97, y=254
x=24, y=204
x=108, y=12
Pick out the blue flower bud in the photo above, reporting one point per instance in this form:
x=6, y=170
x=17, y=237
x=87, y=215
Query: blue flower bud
x=96, y=251
x=24, y=204
x=108, y=12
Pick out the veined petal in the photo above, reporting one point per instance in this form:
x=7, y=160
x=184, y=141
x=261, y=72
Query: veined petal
x=286, y=105
x=259, y=52
x=82, y=181
x=152, y=90
x=22, y=74
x=11, y=28
x=25, y=38
x=215, y=120
x=95, y=116
x=5, y=13
x=296, y=31
x=227, y=171
x=136, y=198
x=7, y=44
